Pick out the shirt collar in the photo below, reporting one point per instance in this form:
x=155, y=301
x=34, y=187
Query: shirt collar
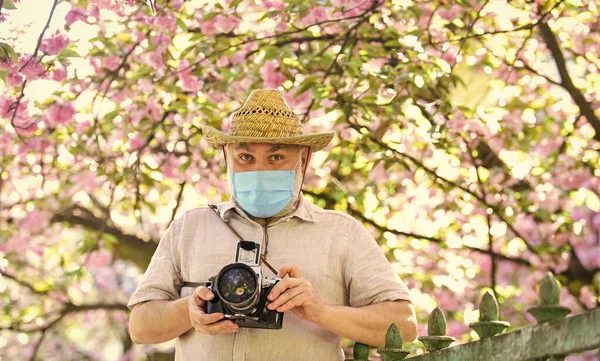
x=304, y=211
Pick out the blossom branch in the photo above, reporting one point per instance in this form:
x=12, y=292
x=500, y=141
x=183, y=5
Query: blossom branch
x=585, y=107
x=449, y=182
x=179, y=196
x=21, y=282
x=129, y=247
x=381, y=228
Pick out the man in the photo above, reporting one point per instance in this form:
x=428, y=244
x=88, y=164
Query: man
x=336, y=280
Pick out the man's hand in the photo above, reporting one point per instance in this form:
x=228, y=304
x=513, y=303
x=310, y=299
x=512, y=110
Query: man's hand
x=204, y=323
x=296, y=294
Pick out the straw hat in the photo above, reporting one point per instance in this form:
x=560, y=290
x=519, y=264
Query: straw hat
x=266, y=117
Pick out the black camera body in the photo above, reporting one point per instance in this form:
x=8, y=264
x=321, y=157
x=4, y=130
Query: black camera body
x=241, y=291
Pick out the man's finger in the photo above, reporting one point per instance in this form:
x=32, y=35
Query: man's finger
x=220, y=327
x=293, y=302
x=203, y=293
x=205, y=319
x=289, y=269
x=281, y=286
x=284, y=297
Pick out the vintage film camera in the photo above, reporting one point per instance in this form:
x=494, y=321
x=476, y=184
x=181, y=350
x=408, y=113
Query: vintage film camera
x=241, y=291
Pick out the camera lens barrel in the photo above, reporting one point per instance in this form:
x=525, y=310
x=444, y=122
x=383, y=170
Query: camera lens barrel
x=238, y=286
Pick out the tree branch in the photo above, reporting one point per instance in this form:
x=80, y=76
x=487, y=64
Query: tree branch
x=21, y=282
x=566, y=82
x=355, y=213
x=129, y=247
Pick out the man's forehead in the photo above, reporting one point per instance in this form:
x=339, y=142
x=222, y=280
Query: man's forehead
x=269, y=146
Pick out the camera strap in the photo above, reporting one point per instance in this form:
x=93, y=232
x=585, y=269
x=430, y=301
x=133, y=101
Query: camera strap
x=262, y=257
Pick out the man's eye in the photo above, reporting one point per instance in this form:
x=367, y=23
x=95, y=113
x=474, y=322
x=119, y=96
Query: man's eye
x=246, y=157
x=277, y=157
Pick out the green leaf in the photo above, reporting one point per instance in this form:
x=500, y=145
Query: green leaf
x=307, y=83
x=210, y=16
x=6, y=51
x=69, y=53
x=182, y=168
x=8, y=5
x=3, y=75
x=195, y=37
x=11, y=52
x=142, y=73
x=270, y=14
x=111, y=115
x=187, y=50
x=234, y=3
x=147, y=180
x=77, y=273
x=181, y=25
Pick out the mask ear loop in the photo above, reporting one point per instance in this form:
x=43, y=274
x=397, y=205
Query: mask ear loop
x=303, y=174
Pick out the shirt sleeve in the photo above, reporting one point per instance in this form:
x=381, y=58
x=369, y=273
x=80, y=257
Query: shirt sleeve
x=368, y=274
x=162, y=279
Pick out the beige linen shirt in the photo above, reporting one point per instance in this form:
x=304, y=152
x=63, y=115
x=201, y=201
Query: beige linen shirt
x=332, y=250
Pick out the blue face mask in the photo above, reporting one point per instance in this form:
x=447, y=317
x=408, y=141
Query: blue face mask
x=263, y=194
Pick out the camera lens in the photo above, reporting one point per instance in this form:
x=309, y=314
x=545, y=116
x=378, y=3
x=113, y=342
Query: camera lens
x=237, y=284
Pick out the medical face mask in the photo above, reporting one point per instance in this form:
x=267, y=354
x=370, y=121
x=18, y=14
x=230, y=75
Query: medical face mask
x=263, y=194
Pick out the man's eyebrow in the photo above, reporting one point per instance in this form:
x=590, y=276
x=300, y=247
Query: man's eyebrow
x=242, y=146
x=276, y=147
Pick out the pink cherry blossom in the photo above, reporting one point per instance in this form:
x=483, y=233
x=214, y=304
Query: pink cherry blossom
x=226, y=24
x=298, y=102
x=449, y=57
x=282, y=27
x=243, y=85
x=164, y=23
x=169, y=168
x=17, y=244
x=112, y=62
x=238, y=58
x=161, y=40
x=548, y=146
x=99, y=259
x=596, y=222
x=55, y=44
x=59, y=113
x=35, y=221
x=207, y=27
x=136, y=142
x=14, y=79
x=30, y=68
x=59, y=74
x=105, y=278
x=187, y=80
x=177, y=4
x=315, y=15
x=81, y=127
x=155, y=59
x=77, y=13
x=588, y=256
x=222, y=61
x=86, y=181
x=216, y=96
x=272, y=78
x=450, y=14
x=274, y=4
x=588, y=298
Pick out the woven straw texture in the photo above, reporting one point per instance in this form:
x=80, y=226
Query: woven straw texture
x=266, y=117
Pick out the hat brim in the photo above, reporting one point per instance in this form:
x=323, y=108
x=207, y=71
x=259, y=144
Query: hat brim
x=315, y=141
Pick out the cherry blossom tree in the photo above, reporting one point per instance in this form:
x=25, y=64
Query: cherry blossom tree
x=467, y=142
